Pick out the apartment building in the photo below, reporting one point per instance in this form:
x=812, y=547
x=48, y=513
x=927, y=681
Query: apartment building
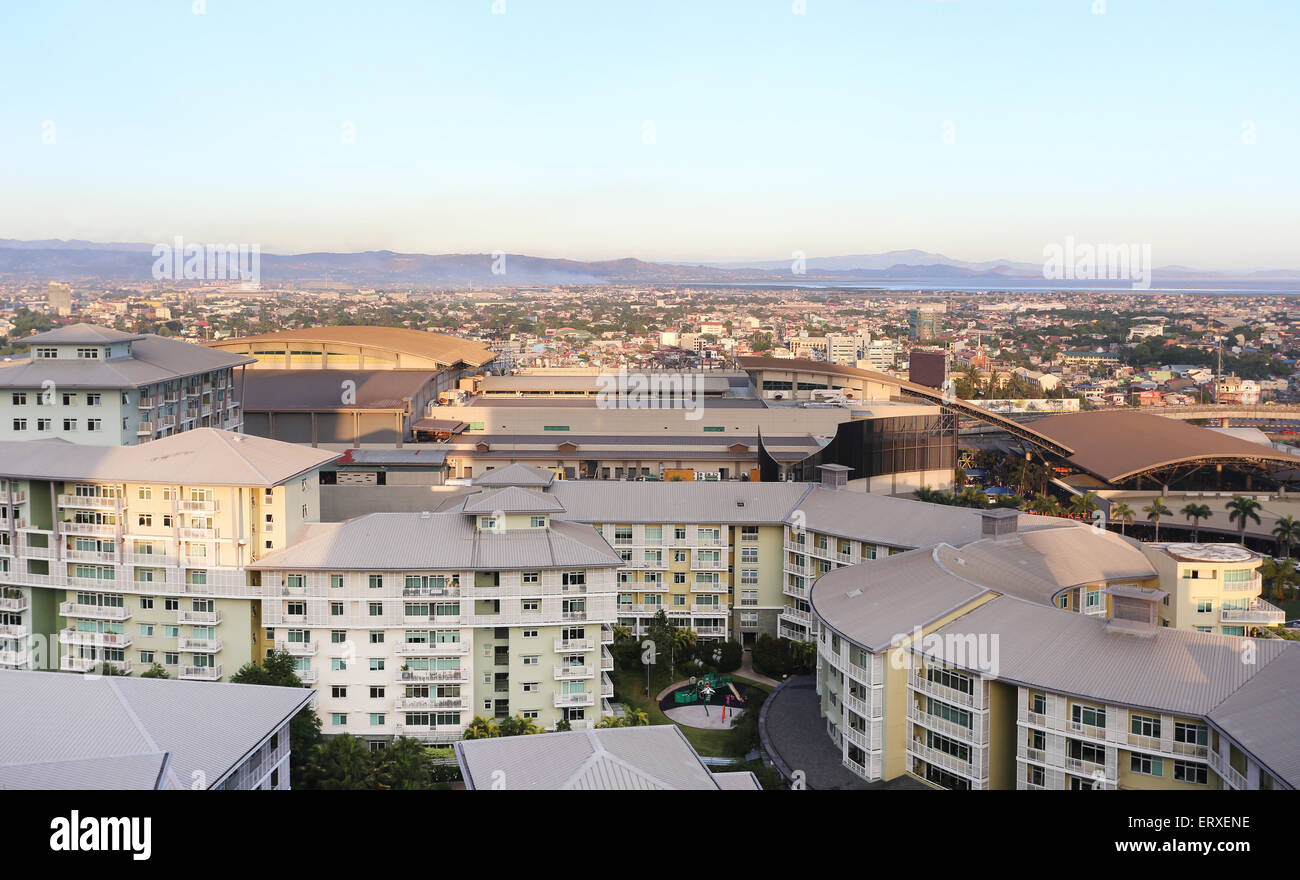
x=98, y=386
x=945, y=664
x=410, y=624
x=1212, y=588
x=135, y=555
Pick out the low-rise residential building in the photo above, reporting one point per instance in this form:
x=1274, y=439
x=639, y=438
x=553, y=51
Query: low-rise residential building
x=410, y=624
x=1212, y=588
x=101, y=387
x=135, y=555
x=947, y=665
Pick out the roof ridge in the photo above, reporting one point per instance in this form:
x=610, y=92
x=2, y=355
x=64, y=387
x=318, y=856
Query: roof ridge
x=115, y=687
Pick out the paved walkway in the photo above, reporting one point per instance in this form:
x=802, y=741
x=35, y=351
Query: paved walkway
x=747, y=669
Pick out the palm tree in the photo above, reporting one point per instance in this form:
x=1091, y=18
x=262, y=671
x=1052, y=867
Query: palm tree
x=1084, y=505
x=1044, y=504
x=1196, y=513
x=971, y=497
x=1154, y=511
x=1122, y=514
x=1277, y=575
x=1286, y=532
x=1241, y=510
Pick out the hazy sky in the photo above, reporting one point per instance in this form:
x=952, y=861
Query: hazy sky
x=664, y=130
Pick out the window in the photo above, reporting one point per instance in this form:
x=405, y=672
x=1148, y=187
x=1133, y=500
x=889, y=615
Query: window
x=20, y=424
x=19, y=398
x=43, y=424
x=531, y=687
x=377, y=693
x=376, y=609
x=1144, y=725
x=171, y=658
x=1146, y=765
x=336, y=609
x=537, y=522
x=88, y=353
x=376, y=637
x=146, y=657
x=531, y=577
x=1090, y=716
x=146, y=629
x=339, y=692
x=336, y=582
x=532, y=605
x=376, y=664
x=376, y=581
x=146, y=603
x=532, y=659
x=1191, y=734
x=1196, y=774
x=338, y=719
x=1204, y=606
x=530, y=634
x=92, y=400
x=94, y=424
x=376, y=719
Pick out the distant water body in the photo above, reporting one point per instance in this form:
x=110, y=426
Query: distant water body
x=1281, y=288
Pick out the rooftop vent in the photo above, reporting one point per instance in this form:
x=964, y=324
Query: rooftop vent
x=834, y=476
x=999, y=524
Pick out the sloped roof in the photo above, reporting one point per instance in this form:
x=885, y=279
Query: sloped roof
x=153, y=359
x=322, y=390
x=440, y=347
x=516, y=475
x=1172, y=670
x=1116, y=446
x=1262, y=715
x=512, y=499
x=203, y=456
x=70, y=334
x=654, y=758
x=438, y=541
x=123, y=730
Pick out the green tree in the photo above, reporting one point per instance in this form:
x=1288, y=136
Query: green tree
x=1277, y=575
x=341, y=763
x=403, y=765
x=1156, y=509
x=1243, y=510
x=1287, y=533
x=1084, y=505
x=157, y=670
x=1196, y=513
x=304, y=730
x=517, y=725
x=1122, y=514
x=481, y=728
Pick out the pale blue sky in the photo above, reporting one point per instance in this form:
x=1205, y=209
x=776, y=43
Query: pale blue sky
x=772, y=131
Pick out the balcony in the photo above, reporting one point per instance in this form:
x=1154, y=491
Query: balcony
x=453, y=675
x=108, y=640
x=146, y=402
x=199, y=646
x=197, y=506
x=606, y=686
x=1258, y=612
x=307, y=676
x=90, y=556
x=296, y=649
x=1231, y=778
x=93, y=612
x=13, y=631
x=418, y=704
x=563, y=701
x=89, y=664
x=195, y=534
x=145, y=429
x=200, y=673
x=98, y=530
x=91, y=502
x=709, y=609
x=569, y=673
x=199, y=618
x=564, y=646
x=13, y=604
x=429, y=649
x=606, y=661
x=14, y=658
x=606, y=636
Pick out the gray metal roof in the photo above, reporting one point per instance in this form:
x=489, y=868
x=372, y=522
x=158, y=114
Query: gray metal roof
x=601, y=501
x=153, y=359
x=71, y=334
x=120, y=729
x=512, y=499
x=516, y=475
x=323, y=390
x=657, y=757
x=877, y=603
x=1264, y=713
x=438, y=542
x=203, y=456
x=1165, y=669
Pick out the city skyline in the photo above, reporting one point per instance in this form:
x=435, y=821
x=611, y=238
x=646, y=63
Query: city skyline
x=742, y=134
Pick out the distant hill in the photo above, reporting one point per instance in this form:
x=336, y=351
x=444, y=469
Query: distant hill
x=132, y=261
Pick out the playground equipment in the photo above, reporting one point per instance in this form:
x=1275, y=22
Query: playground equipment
x=703, y=688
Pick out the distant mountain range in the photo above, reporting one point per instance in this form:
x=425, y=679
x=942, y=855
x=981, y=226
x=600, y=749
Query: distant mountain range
x=128, y=261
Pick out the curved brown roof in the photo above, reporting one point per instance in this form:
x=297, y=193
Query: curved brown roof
x=441, y=347
x=1116, y=446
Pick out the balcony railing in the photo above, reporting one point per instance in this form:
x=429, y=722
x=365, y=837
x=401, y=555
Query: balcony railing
x=93, y=502
x=565, y=673
x=199, y=618
x=414, y=704
x=563, y=646
x=94, y=612
x=457, y=675
x=14, y=604
x=582, y=699
x=201, y=673
x=87, y=664
x=199, y=646
x=79, y=637
x=1258, y=611
x=297, y=649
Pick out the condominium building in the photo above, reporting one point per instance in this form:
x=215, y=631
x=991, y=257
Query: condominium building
x=1212, y=588
x=410, y=624
x=135, y=555
x=948, y=665
x=98, y=386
